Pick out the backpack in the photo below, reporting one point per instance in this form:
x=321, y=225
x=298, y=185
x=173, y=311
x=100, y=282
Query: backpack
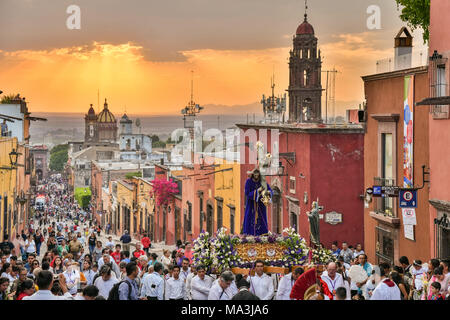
x=114, y=293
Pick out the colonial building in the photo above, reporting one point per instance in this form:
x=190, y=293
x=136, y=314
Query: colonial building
x=437, y=105
x=396, y=147
x=305, y=65
x=133, y=146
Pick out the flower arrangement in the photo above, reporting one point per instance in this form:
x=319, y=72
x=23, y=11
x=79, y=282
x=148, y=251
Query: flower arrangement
x=202, y=250
x=297, y=248
x=224, y=255
x=163, y=190
x=322, y=255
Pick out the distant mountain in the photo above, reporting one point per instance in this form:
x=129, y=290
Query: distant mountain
x=239, y=109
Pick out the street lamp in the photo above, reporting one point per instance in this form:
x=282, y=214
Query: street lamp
x=13, y=155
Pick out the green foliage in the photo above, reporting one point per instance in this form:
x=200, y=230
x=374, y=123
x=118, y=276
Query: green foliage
x=7, y=98
x=58, y=157
x=158, y=144
x=416, y=13
x=155, y=138
x=83, y=196
x=130, y=175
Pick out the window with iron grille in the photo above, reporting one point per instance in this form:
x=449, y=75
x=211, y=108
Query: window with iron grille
x=438, y=84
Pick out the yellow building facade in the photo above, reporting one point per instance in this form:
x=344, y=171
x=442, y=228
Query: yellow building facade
x=146, y=207
x=227, y=194
x=8, y=187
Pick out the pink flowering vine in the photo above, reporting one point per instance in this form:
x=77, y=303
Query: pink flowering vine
x=163, y=191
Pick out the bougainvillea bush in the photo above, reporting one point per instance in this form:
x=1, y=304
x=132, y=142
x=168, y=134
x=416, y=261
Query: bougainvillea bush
x=163, y=191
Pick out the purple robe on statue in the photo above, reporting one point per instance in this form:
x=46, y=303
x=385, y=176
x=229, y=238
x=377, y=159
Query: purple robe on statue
x=253, y=201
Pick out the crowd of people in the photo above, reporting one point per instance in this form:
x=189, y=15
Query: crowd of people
x=62, y=256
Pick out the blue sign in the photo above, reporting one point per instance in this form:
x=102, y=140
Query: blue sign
x=408, y=198
x=377, y=191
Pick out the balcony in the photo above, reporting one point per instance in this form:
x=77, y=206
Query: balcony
x=406, y=61
x=385, y=207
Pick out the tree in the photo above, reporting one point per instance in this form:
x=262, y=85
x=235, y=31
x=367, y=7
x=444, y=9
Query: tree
x=155, y=138
x=416, y=13
x=130, y=175
x=58, y=157
x=83, y=196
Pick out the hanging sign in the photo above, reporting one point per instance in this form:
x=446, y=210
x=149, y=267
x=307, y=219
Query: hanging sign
x=409, y=216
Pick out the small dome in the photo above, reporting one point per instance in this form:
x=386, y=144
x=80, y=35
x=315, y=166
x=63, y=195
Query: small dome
x=106, y=116
x=125, y=119
x=305, y=27
x=91, y=114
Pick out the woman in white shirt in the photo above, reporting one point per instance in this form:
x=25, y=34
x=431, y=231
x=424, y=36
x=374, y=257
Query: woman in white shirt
x=30, y=245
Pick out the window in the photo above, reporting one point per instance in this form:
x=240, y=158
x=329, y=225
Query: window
x=305, y=78
x=232, y=220
x=292, y=184
x=293, y=221
x=438, y=84
x=219, y=214
x=384, y=245
x=189, y=218
x=387, y=173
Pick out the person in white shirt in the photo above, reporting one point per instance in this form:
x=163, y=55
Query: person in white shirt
x=333, y=279
x=189, y=280
x=286, y=284
x=261, y=284
x=386, y=288
x=44, y=281
x=175, y=287
x=201, y=285
x=185, y=270
x=105, y=282
x=110, y=244
x=30, y=246
x=221, y=289
x=153, y=284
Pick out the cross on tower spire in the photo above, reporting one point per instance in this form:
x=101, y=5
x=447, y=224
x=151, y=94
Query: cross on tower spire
x=306, y=8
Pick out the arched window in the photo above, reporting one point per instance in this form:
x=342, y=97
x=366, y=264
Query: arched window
x=305, y=78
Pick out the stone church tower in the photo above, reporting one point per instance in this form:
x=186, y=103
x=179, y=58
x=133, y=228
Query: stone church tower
x=305, y=89
x=90, y=126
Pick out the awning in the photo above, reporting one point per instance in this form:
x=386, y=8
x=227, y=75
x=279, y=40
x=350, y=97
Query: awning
x=436, y=101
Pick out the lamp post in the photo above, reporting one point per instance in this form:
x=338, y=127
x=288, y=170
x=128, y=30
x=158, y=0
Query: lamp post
x=13, y=155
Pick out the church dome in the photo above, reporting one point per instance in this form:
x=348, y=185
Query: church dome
x=106, y=116
x=305, y=27
x=125, y=119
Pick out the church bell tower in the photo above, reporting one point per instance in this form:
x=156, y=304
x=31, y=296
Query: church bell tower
x=305, y=66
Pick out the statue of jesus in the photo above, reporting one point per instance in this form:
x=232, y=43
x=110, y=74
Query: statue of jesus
x=255, y=219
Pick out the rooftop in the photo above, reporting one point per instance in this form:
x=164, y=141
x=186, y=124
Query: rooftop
x=306, y=127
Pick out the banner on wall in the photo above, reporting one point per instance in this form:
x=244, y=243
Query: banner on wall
x=408, y=133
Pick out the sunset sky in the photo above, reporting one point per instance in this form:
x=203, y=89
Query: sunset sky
x=139, y=53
